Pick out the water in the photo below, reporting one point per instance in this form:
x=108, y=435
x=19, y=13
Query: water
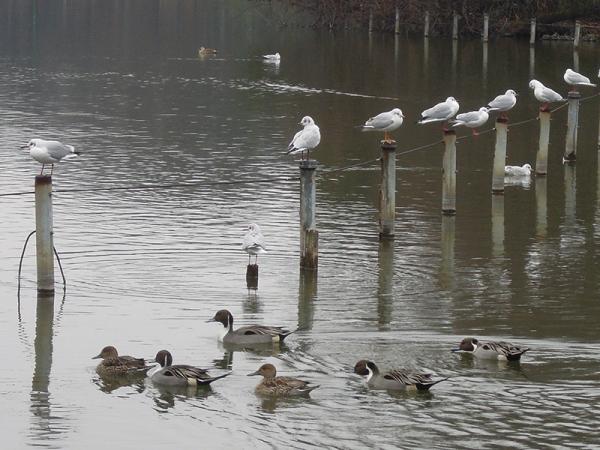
x=146, y=268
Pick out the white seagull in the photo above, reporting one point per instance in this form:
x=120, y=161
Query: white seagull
x=503, y=102
x=306, y=139
x=272, y=58
x=386, y=122
x=576, y=79
x=254, y=242
x=517, y=171
x=440, y=112
x=49, y=152
x=472, y=119
x=545, y=94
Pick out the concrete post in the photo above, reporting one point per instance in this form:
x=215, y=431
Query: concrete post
x=499, y=156
x=387, y=191
x=486, y=27
x=532, y=31
x=449, y=174
x=572, y=125
x=43, y=234
x=541, y=159
x=309, y=236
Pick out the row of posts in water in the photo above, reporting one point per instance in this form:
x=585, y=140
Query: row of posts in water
x=485, y=30
x=309, y=235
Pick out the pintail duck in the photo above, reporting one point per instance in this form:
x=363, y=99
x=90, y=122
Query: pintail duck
x=251, y=334
x=205, y=51
x=274, y=385
x=503, y=351
x=180, y=375
x=396, y=379
x=113, y=364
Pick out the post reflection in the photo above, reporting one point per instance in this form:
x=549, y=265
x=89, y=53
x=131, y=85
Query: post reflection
x=307, y=292
x=454, y=59
x=541, y=202
x=396, y=50
x=570, y=193
x=447, y=280
x=425, y=54
x=40, y=396
x=484, y=65
x=497, y=225
x=385, y=282
x=531, y=62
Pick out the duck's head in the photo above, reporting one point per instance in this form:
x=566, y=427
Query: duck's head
x=307, y=120
x=107, y=352
x=223, y=316
x=365, y=367
x=468, y=344
x=164, y=358
x=266, y=370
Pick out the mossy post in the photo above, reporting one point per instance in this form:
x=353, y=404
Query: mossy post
x=43, y=233
x=309, y=236
x=449, y=174
x=387, y=191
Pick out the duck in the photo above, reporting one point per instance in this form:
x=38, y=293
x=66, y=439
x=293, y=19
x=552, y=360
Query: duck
x=254, y=242
x=205, y=51
x=396, y=379
x=274, y=385
x=112, y=364
x=500, y=350
x=251, y=334
x=517, y=171
x=180, y=375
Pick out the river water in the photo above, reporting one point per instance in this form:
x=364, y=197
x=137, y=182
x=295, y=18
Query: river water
x=145, y=268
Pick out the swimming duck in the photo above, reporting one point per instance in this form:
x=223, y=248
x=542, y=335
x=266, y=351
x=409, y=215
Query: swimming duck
x=252, y=334
x=396, y=379
x=180, y=375
x=113, y=364
x=205, y=51
x=503, y=351
x=274, y=385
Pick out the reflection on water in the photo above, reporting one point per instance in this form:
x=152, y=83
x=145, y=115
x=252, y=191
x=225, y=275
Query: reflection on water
x=146, y=267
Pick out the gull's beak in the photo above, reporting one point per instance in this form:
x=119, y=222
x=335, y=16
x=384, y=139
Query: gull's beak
x=24, y=146
x=97, y=357
x=253, y=373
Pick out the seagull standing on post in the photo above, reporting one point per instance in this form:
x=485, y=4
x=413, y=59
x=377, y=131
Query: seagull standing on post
x=49, y=152
x=574, y=79
x=386, y=122
x=254, y=242
x=441, y=112
x=306, y=139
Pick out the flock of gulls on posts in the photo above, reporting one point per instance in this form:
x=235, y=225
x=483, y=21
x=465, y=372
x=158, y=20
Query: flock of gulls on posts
x=165, y=373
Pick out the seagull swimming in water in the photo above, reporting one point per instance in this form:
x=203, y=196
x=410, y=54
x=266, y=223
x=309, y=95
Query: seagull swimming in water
x=472, y=119
x=441, y=112
x=386, y=122
x=306, y=139
x=573, y=79
x=544, y=94
x=254, y=242
x=49, y=152
x=517, y=171
x=275, y=58
x=503, y=102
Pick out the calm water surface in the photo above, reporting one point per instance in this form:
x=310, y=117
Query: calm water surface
x=146, y=268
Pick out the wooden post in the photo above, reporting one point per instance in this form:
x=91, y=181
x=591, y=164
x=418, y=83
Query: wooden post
x=577, y=34
x=43, y=233
x=454, y=25
x=370, y=20
x=532, y=31
x=309, y=236
x=252, y=276
x=387, y=191
x=499, y=156
x=426, y=28
x=541, y=159
x=397, y=25
x=486, y=24
x=572, y=124
x=449, y=174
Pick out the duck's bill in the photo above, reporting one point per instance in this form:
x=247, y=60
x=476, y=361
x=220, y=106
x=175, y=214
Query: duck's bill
x=97, y=357
x=211, y=320
x=253, y=373
x=457, y=350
